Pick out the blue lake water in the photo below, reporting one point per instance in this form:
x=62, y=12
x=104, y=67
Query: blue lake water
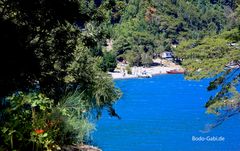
x=164, y=113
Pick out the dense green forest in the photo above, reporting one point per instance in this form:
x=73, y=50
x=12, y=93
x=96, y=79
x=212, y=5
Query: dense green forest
x=53, y=60
x=146, y=28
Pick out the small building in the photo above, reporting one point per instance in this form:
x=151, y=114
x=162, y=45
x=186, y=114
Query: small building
x=168, y=55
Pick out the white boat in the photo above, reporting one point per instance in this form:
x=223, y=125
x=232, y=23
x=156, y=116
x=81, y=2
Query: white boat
x=144, y=75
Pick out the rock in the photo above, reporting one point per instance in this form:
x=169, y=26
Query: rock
x=80, y=148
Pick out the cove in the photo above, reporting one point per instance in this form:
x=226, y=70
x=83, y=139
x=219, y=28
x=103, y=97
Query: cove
x=165, y=112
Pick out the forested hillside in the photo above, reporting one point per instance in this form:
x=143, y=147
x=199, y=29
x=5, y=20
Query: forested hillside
x=144, y=28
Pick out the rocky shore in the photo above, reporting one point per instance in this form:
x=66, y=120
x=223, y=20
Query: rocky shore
x=80, y=148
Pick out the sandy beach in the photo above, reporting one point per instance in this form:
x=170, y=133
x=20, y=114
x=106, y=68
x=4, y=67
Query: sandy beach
x=153, y=70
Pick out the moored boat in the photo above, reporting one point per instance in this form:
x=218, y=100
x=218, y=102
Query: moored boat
x=175, y=71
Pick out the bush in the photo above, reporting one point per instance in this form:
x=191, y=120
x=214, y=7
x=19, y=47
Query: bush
x=109, y=62
x=129, y=70
x=25, y=126
x=32, y=122
x=74, y=112
x=146, y=59
x=133, y=58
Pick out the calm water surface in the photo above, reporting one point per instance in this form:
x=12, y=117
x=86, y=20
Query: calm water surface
x=164, y=113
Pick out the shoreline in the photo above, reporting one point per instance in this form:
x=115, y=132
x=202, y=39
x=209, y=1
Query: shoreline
x=153, y=70
x=138, y=77
x=132, y=76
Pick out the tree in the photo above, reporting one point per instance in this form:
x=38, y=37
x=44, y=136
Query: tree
x=47, y=48
x=211, y=57
x=41, y=44
x=109, y=62
x=146, y=59
x=151, y=27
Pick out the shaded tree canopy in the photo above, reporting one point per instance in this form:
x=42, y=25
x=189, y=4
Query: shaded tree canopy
x=51, y=81
x=47, y=45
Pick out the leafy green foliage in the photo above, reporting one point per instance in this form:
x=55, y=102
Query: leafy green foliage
x=33, y=121
x=109, y=62
x=210, y=57
x=210, y=53
x=129, y=70
x=57, y=54
x=217, y=56
x=74, y=112
x=23, y=114
x=50, y=49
